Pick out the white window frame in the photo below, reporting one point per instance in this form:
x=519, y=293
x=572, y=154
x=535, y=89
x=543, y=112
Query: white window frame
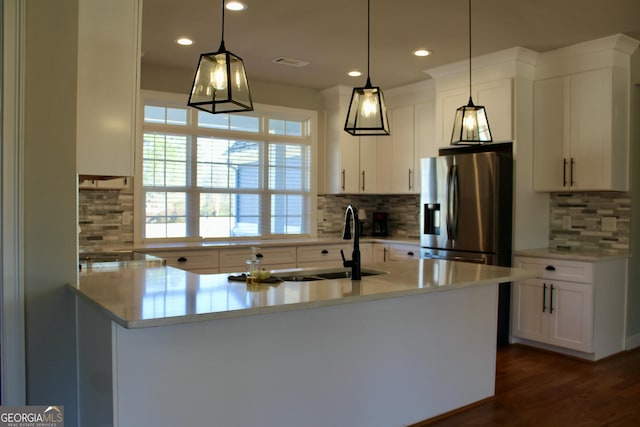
x=180, y=101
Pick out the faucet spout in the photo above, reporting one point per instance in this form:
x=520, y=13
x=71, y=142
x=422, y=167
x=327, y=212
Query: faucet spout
x=351, y=220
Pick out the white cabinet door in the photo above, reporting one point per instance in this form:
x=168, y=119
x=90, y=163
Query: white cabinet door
x=425, y=134
x=496, y=96
x=271, y=258
x=398, y=252
x=551, y=134
x=379, y=252
x=447, y=104
x=402, y=160
x=529, y=310
x=349, y=164
x=369, y=163
x=591, y=137
x=107, y=86
x=571, y=315
x=580, y=132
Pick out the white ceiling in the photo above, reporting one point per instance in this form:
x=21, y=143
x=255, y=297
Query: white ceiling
x=332, y=34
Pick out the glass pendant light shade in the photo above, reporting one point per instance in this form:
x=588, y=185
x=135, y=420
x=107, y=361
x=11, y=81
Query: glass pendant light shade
x=220, y=84
x=471, y=125
x=367, y=113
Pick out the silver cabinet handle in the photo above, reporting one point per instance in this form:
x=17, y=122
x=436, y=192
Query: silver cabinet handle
x=343, y=179
x=363, y=186
x=410, y=186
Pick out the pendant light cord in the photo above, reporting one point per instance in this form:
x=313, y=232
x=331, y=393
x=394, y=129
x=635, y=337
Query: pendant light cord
x=469, y=49
x=222, y=35
x=368, y=37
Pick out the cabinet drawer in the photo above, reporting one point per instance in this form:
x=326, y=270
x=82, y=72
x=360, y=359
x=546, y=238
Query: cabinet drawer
x=403, y=252
x=188, y=260
x=317, y=253
x=233, y=258
x=554, y=269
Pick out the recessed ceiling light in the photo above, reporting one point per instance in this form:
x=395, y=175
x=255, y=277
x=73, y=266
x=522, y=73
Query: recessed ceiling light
x=422, y=52
x=235, y=5
x=184, y=41
x=354, y=73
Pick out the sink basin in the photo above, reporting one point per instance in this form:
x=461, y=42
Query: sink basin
x=345, y=274
x=299, y=278
x=302, y=276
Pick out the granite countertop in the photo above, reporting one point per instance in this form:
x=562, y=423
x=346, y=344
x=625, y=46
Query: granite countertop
x=139, y=296
x=574, y=254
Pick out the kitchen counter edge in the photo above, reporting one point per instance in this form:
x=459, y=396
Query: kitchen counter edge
x=406, y=286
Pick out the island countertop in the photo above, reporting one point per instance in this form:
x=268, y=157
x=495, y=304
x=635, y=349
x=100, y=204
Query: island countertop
x=140, y=296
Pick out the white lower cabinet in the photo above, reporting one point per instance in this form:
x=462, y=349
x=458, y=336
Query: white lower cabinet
x=196, y=261
x=383, y=252
x=572, y=305
x=271, y=258
x=555, y=312
x=396, y=252
x=329, y=255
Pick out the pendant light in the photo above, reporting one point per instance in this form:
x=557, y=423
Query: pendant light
x=220, y=84
x=367, y=113
x=470, y=125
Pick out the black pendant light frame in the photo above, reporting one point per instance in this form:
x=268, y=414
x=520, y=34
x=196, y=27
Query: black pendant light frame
x=377, y=123
x=480, y=133
x=233, y=97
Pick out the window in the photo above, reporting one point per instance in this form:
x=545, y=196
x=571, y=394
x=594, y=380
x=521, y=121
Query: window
x=225, y=175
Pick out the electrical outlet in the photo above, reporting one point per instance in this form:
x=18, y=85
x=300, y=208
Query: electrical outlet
x=126, y=218
x=566, y=222
x=609, y=223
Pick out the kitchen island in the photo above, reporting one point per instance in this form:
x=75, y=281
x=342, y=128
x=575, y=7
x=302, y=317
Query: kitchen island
x=161, y=346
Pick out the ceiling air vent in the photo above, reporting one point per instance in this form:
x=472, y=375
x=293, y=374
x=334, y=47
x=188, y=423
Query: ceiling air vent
x=290, y=61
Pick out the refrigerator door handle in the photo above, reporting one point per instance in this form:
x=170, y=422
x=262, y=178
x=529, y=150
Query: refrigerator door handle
x=479, y=260
x=448, y=203
x=452, y=203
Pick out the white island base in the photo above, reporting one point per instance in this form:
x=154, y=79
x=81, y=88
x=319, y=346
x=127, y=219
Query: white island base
x=385, y=362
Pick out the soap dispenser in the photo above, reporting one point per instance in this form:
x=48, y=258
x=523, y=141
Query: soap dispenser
x=253, y=267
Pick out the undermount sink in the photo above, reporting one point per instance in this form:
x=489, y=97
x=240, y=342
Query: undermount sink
x=324, y=275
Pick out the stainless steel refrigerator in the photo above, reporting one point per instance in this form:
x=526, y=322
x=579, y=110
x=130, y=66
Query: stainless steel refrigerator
x=466, y=210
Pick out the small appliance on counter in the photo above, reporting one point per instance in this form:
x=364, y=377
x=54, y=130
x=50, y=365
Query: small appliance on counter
x=379, y=221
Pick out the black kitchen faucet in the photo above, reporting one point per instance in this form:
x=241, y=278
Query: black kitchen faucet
x=351, y=219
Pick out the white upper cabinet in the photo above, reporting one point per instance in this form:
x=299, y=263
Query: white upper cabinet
x=580, y=137
x=342, y=151
x=108, y=86
x=581, y=117
x=496, y=96
x=384, y=164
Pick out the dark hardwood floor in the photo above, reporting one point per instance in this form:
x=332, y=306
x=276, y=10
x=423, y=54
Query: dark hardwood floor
x=537, y=388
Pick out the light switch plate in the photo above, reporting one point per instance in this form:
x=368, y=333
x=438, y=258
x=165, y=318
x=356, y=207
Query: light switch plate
x=609, y=223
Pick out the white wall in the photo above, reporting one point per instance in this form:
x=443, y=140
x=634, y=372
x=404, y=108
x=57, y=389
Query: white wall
x=50, y=224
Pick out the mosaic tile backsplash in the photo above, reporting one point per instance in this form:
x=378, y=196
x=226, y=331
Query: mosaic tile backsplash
x=105, y=218
x=403, y=213
x=590, y=220
x=578, y=220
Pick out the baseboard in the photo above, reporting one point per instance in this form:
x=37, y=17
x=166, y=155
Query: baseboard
x=633, y=342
